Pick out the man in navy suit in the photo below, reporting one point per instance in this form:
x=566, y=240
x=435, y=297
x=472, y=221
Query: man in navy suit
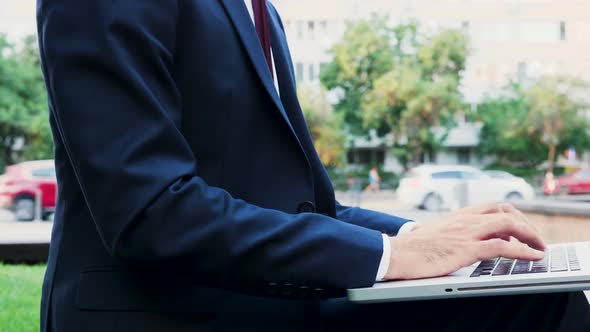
x=191, y=197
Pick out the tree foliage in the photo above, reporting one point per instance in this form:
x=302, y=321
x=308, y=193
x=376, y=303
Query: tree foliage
x=23, y=103
x=325, y=126
x=555, y=116
x=364, y=54
x=398, y=80
x=531, y=124
x=502, y=132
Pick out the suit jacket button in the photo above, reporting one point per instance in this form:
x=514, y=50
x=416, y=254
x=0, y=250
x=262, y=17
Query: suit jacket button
x=287, y=289
x=272, y=288
x=306, y=207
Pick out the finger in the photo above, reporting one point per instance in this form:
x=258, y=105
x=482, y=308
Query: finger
x=507, y=207
x=511, y=209
x=510, y=224
x=514, y=250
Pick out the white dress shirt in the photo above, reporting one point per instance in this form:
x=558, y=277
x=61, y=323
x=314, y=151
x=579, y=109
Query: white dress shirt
x=406, y=228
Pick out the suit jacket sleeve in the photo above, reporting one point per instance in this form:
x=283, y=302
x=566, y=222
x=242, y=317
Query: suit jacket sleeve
x=108, y=69
x=384, y=223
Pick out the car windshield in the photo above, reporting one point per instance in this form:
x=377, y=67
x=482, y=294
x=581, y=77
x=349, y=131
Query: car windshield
x=447, y=175
x=44, y=172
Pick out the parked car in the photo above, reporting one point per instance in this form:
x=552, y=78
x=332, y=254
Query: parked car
x=574, y=183
x=23, y=183
x=500, y=175
x=434, y=187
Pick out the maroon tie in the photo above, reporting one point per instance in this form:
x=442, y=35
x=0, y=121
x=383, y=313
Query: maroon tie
x=263, y=30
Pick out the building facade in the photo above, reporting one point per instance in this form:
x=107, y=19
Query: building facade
x=17, y=18
x=509, y=40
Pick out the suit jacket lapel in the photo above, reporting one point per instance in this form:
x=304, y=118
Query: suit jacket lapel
x=238, y=14
x=284, y=66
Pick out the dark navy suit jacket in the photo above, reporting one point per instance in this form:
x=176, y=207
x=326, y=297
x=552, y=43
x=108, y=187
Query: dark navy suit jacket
x=185, y=180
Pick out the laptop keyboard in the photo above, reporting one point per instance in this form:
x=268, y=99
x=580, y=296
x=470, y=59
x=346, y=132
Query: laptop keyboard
x=557, y=259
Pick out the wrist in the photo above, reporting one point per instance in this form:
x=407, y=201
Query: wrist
x=394, y=272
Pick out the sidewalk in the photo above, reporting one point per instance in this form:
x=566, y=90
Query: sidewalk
x=18, y=233
x=24, y=242
x=554, y=207
x=575, y=206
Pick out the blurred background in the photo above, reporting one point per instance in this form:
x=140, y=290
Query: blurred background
x=417, y=108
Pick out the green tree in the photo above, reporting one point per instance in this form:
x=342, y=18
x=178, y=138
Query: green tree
x=397, y=80
x=529, y=125
x=555, y=116
x=325, y=126
x=23, y=103
x=363, y=55
x=503, y=133
x=421, y=91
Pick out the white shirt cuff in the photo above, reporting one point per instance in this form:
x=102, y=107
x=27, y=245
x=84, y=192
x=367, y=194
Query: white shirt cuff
x=406, y=228
x=385, y=258
x=384, y=264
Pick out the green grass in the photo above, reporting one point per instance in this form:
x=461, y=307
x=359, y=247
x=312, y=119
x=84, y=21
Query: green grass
x=20, y=295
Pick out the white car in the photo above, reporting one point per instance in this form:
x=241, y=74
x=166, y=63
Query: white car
x=434, y=187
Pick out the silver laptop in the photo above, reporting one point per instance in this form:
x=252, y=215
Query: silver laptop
x=565, y=268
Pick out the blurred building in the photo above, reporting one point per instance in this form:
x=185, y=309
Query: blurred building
x=459, y=147
x=17, y=18
x=510, y=40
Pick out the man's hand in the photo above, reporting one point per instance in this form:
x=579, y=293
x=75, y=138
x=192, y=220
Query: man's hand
x=465, y=237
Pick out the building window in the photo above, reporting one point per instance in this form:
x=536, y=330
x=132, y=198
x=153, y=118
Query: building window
x=311, y=29
x=465, y=26
x=288, y=26
x=299, y=71
x=324, y=26
x=464, y=156
x=312, y=75
x=300, y=27
x=562, y=31
x=366, y=156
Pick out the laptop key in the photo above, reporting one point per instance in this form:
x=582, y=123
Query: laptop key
x=539, y=269
x=521, y=267
x=485, y=267
x=503, y=268
x=556, y=260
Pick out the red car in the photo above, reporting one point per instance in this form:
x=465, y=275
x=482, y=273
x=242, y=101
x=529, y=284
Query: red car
x=23, y=183
x=574, y=183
